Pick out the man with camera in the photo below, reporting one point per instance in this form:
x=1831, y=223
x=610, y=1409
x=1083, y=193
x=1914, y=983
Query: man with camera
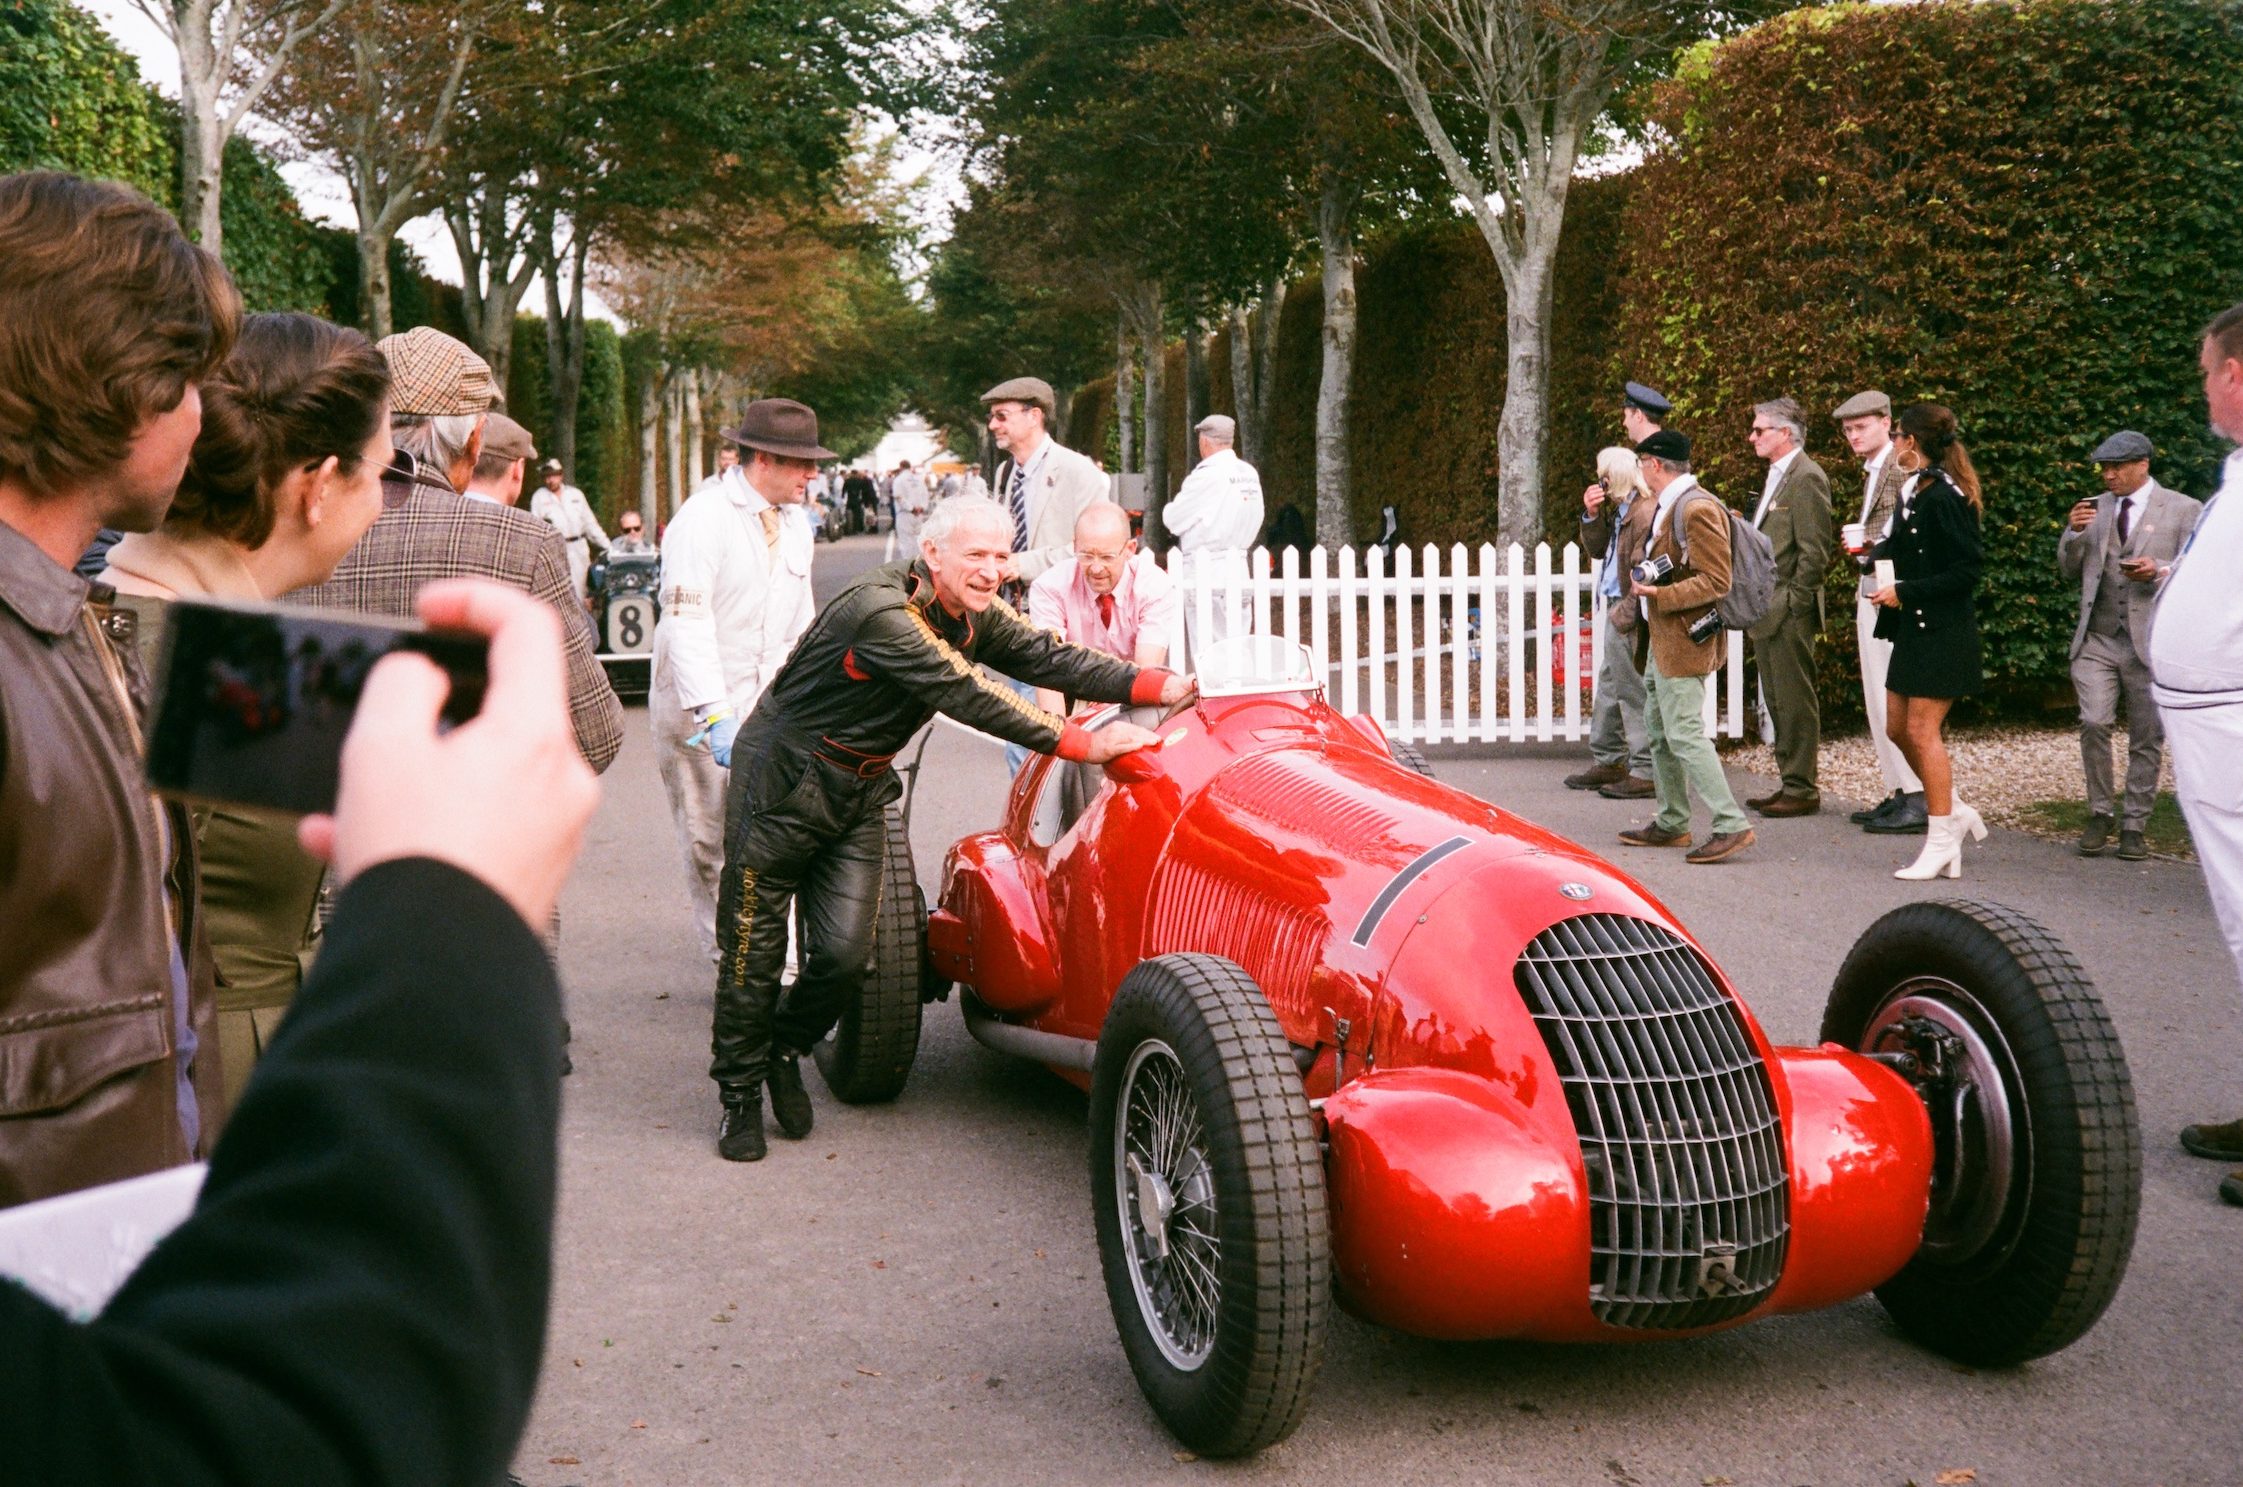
x=1685, y=572
x=2117, y=547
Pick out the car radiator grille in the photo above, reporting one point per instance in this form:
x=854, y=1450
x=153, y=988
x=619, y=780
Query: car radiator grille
x=1689, y=1193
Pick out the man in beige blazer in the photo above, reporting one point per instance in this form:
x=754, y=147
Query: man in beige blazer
x=2117, y=547
x=1794, y=515
x=1044, y=485
x=1690, y=529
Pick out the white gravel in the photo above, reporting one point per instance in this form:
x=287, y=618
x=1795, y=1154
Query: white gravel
x=1999, y=769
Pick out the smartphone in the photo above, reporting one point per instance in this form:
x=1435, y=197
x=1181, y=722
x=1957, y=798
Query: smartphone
x=253, y=700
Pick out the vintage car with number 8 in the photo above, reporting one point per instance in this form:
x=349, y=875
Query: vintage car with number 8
x=1347, y=1030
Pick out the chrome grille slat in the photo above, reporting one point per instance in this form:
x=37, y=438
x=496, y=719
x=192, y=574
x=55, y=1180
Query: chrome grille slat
x=1676, y=1118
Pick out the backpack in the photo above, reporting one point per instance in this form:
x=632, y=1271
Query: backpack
x=1752, y=567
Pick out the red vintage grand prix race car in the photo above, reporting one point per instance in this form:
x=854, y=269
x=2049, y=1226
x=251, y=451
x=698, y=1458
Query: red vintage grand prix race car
x=1348, y=1030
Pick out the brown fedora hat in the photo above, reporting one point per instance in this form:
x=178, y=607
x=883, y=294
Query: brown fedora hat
x=783, y=427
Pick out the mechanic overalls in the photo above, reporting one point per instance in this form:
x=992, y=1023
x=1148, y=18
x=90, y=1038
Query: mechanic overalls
x=804, y=811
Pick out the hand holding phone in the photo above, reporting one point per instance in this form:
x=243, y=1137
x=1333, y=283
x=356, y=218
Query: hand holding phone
x=254, y=700
x=504, y=796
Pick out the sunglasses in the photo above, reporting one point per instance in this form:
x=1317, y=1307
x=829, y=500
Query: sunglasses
x=397, y=480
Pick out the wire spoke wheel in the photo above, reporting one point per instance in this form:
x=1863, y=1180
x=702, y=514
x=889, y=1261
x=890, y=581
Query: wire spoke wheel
x=1167, y=1191
x=1208, y=1188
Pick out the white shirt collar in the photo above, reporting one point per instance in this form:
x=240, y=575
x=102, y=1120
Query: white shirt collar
x=1777, y=468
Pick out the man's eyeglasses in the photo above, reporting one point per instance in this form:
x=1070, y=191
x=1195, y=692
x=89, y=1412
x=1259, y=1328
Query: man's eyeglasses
x=397, y=480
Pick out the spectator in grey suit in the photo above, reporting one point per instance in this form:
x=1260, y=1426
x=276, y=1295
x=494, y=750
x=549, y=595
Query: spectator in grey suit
x=2118, y=547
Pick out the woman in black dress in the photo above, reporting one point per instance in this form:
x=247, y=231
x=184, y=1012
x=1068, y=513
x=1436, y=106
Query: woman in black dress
x=1928, y=613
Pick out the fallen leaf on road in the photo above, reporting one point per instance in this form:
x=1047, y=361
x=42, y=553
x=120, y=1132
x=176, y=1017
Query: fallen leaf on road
x=1039, y=1254
x=1187, y=1456
x=720, y=1317
x=1715, y=1482
x=872, y=1373
x=880, y=1264
x=638, y=1424
x=1956, y=1476
x=562, y=1461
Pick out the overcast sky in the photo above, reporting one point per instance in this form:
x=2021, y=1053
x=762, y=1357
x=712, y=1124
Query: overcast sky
x=318, y=186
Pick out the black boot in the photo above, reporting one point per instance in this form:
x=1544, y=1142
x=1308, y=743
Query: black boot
x=740, y=1133
x=790, y=1102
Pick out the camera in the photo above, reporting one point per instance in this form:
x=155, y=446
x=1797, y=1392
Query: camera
x=1705, y=627
x=1652, y=571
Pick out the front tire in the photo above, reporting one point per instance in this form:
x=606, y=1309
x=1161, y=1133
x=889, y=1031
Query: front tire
x=1208, y=1189
x=2037, y=1178
x=869, y=1056
x=1409, y=756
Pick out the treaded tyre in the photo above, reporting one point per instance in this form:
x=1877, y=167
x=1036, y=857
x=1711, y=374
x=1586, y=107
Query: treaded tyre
x=1208, y=1189
x=2037, y=1174
x=1409, y=756
x=868, y=1058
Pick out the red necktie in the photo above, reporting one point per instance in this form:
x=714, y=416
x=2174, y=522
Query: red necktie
x=1106, y=610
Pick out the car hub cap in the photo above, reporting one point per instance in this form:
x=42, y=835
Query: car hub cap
x=1978, y=1133
x=1165, y=1193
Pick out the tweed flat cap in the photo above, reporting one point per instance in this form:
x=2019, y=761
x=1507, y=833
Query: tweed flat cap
x=1220, y=426
x=1649, y=399
x=2123, y=448
x=507, y=440
x=1032, y=390
x=433, y=376
x=1863, y=405
x=1665, y=446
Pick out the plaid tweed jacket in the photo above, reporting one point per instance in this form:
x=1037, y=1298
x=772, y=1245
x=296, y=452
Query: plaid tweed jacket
x=437, y=533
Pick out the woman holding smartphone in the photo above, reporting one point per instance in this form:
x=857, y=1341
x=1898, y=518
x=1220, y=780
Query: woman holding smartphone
x=285, y=477
x=1928, y=611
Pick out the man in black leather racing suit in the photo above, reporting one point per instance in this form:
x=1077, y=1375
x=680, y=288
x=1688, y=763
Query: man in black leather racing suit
x=805, y=809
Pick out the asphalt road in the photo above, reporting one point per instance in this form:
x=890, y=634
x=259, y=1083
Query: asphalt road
x=912, y=1294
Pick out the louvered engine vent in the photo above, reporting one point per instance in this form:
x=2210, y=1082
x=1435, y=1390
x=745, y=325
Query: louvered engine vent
x=1689, y=1196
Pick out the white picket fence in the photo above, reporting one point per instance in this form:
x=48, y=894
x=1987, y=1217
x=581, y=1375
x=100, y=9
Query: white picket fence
x=1482, y=650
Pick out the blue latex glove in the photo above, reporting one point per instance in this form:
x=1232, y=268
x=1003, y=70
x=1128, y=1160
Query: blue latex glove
x=721, y=734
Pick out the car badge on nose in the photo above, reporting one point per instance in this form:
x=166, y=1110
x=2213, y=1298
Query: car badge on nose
x=1577, y=891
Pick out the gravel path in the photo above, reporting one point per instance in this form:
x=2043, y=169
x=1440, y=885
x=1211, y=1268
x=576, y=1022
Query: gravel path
x=2002, y=770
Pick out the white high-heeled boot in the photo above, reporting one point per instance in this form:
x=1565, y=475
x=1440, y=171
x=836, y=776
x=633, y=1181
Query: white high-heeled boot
x=1943, y=850
x=1968, y=821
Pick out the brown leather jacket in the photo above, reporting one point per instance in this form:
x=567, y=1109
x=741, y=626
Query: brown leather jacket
x=90, y=1056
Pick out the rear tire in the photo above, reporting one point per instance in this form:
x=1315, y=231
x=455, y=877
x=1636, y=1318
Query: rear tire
x=868, y=1058
x=1409, y=756
x=2037, y=1182
x=1208, y=1189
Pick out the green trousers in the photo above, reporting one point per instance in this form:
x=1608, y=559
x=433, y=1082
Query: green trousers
x=1786, y=656
x=1682, y=757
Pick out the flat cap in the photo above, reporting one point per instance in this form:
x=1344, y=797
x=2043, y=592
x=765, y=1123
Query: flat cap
x=1220, y=426
x=1666, y=446
x=432, y=375
x=2123, y=448
x=1649, y=399
x=1863, y=405
x=1032, y=390
x=507, y=440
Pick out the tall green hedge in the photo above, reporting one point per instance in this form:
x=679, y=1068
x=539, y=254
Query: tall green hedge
x=71, y=99
x=2025, y=211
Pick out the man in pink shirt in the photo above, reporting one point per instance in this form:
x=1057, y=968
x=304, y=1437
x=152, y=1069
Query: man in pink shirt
x=1108, y=596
